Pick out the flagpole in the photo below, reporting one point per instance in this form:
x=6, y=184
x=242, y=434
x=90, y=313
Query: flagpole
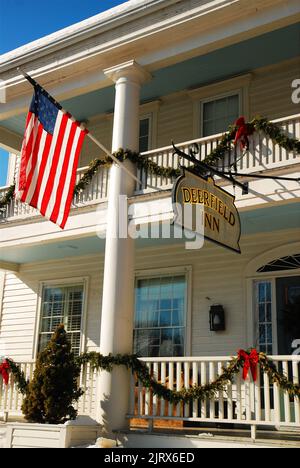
x=114, y=159
x=102, y=147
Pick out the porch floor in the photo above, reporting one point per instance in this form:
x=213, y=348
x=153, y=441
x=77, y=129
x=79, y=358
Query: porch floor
x=187, y=437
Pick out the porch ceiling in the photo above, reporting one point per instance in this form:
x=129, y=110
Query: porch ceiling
x=264, y=50
x=276, y=218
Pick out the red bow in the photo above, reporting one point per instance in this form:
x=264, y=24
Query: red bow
x=251, y=361
x=4, y=368
x=242, y=133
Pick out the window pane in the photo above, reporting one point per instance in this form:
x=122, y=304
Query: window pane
x=264, y=315
x=160, y=316
x=62, y=306
x=144, y=135
x=219, y=114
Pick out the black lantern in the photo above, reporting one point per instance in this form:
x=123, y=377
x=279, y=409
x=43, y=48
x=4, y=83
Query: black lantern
x=217, y=318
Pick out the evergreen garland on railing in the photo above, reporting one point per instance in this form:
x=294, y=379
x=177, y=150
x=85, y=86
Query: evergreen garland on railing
x=225, y=145
x=19, y=376
x=185, y=395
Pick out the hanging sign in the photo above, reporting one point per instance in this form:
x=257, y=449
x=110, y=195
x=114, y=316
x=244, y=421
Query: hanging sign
x=207, y=210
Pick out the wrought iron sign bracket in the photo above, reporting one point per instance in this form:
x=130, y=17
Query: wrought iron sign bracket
x=201, y=165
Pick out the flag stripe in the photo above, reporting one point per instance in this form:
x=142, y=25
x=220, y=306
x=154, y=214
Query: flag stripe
x=42, y=168
x=73, y=179
x=64, y=170
x=33, y=162
x=31, y=118
x=32, y=182
x=54, y=163
x=65, y=193
x=57, y=174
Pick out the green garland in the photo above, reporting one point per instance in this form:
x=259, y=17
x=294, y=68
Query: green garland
x=197, y=392
x=141, y=371
x=19, y=377
x=258, y=124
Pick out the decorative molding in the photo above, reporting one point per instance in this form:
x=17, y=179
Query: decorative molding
x=263, y=259
x=131, y=70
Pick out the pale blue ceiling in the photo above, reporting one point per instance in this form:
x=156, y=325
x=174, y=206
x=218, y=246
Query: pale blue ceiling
x=257, y=221
x=267, y=49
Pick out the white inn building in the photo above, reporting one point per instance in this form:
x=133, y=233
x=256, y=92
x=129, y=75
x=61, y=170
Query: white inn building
x=140, y=76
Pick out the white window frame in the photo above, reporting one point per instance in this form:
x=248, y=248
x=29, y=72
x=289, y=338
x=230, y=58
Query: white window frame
x=252, y=316
x=65, y=282
x=238, y=84
x=237, y=92
x=175, y=271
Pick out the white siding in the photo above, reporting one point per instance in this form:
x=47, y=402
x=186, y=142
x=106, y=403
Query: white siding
x=20, y=302
x=271, y=90
x=217, y=274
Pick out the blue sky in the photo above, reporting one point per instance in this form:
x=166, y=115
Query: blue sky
x=23, y=21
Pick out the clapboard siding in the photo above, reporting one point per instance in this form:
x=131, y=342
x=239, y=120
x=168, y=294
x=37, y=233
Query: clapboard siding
x=102, y=130
x=175, y=120
x=271, y=90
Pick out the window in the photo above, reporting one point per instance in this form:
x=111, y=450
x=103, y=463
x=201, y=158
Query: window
x=291, y=262
x=219, y=113
x=62, y=304
x=144, y=139
x=263, y=304
x=160, y=317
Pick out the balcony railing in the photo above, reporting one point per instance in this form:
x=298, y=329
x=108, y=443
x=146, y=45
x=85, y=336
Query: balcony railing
x=262, y=155
x=257, y=403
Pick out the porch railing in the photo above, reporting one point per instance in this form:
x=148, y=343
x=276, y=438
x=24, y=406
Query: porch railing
x=11, y=399
x=257, y=403
x=262, y=155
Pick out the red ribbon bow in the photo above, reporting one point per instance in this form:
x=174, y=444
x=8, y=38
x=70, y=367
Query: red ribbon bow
x=251, y=361
x=4, y=368
x=242, y=133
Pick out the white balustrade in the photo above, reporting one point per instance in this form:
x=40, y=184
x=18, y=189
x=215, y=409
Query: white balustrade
x=257, y=403
x=11, y=399
x=262, y=155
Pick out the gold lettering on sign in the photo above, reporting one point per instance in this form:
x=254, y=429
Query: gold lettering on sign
x=194, y=196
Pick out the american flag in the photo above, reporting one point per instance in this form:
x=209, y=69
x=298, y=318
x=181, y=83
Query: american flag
x=49, y=158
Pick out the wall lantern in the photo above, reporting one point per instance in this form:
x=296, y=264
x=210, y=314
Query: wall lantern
x=217, y=318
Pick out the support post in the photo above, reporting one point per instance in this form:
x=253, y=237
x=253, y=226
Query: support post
x=118, y=285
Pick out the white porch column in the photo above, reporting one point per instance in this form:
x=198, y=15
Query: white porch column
x=118, y=284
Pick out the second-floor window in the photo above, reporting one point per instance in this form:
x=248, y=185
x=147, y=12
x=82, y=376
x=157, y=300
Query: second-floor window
x=62, y=305
x=145, y=134
x=217, y=114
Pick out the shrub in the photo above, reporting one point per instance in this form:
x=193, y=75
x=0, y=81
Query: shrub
x=54, y=388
